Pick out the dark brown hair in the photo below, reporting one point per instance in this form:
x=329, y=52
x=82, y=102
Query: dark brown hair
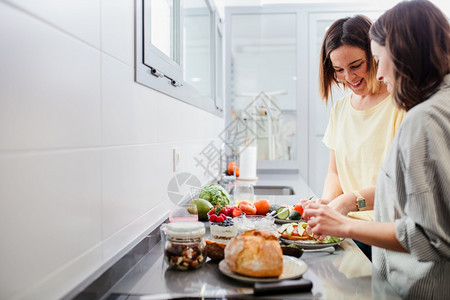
x=416, y=35
x=350, y=31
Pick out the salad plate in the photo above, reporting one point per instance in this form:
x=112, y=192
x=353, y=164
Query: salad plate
x=293, y=268
x=280, y=221
x=310, y=244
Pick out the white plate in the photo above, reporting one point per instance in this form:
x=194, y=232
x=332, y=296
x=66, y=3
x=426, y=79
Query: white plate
x=293, y=268
x=310, y=244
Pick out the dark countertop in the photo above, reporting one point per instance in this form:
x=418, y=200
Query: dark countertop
x=344, y=274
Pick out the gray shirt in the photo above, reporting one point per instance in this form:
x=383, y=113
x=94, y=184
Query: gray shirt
x=413, y=190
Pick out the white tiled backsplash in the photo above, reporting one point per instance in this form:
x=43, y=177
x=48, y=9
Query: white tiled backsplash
x=85, y=152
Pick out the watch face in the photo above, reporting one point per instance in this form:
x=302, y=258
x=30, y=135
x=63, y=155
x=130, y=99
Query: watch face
x=362, y=203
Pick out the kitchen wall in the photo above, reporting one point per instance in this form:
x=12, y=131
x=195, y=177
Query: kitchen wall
x=85, y=151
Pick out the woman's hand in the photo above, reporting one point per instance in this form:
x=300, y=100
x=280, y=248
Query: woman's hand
x=304, y=202
x=324, y=220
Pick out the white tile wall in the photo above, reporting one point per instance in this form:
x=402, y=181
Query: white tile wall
x=50, y=215
x=50, y=86
x=85, y=152
x=135, y=107
x=78, y=18
x=128, y=174
x=190, y=123
x=118, y=29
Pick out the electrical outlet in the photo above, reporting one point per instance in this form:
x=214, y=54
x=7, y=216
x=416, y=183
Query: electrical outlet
x=175, y=159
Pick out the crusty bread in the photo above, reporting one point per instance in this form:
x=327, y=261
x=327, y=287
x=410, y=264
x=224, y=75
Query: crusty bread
x=255, y=253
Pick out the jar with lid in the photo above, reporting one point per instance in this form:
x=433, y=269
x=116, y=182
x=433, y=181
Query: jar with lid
x=184, y=245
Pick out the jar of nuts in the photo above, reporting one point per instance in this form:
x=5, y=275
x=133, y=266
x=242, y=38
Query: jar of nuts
x=184, y=246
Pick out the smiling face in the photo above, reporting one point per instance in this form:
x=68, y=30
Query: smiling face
x=385, y=71
x=350, y=68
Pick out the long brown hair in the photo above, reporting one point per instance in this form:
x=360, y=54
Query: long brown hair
x=416, y=35
x=350, y=31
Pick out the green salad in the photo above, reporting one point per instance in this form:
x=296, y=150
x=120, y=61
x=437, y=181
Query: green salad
x=331, y=239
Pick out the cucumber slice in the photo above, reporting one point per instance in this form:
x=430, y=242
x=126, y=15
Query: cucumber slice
x=289, y=229
x=300, y=230
x=283, y=213
x=283, y=227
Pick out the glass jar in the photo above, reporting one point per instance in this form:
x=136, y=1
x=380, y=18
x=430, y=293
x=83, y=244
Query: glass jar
x=258, y=222
x=243, y=191
x=184, y=245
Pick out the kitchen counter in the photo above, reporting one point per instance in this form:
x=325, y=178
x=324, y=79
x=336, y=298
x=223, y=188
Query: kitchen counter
x=344, y=274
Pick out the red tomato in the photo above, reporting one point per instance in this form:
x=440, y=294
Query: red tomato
x=247, y=207
x=231, y=166
x=299, y=208
x=236, y=212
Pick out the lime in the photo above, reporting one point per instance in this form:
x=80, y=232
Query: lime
x=274, y=207
x=295, y=215
x=283, y=213
x=203, y=207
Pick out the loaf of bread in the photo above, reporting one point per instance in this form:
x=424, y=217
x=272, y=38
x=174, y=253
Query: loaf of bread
x=255, y=253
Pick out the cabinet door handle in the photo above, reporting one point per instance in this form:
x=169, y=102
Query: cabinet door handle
x=156, y=73
x=175, y=83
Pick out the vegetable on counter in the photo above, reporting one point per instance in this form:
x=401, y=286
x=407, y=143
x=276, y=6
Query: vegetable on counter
x=215, y=194
x=247, y=207
x=262, y=206
x=203, y=207
x=231, y=166
x=331, y=239
x=299, y=208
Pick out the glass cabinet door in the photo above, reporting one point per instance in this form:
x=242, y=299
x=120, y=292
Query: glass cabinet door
x=162, y=26
x=197, y=45
x=176, y=50
x=264, y=82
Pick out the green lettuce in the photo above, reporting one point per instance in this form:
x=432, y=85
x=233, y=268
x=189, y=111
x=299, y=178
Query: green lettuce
x=215, y=194
x=331, y=239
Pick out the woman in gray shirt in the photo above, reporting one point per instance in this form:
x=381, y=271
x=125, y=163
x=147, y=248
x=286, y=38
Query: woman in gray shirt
x=411, y=232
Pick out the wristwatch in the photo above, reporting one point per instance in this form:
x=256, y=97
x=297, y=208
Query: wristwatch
x=360, y=201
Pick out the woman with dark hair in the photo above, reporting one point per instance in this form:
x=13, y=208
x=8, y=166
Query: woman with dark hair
x=362, y=124
x=410, y=232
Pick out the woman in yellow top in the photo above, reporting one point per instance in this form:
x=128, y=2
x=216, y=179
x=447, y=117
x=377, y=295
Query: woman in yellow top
x=362, y=124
